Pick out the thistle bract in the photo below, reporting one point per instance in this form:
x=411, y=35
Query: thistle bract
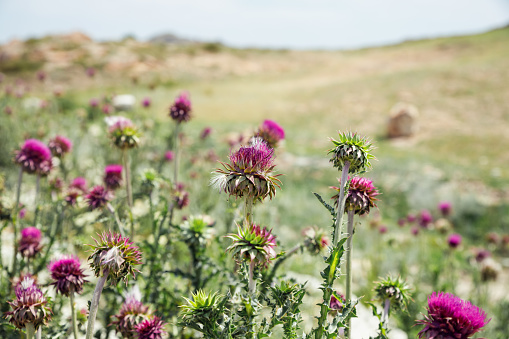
x=450, y=317
x=117, y=255
x=202, y=305
x=352, y=148
x=60, y=146
x=152, y=328
x=180, y=111
x=249, y=172
x=396, y=290
x=252, y=243
x=132, y=312
x=67, y=275
x=315, y=240
x=123, y=132
x=361, y=195
x=34, y=157
x=271, y=132
x=29, y=307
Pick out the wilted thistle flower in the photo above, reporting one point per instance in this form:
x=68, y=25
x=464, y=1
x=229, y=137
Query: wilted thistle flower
x=361, y=195
x=180, y=111
x=445, y=208
x=454, y=240
x=123, y=132
x=113, y=176
x=68, y=275
x=30, y=242
x=315, y=240
x=249, y=172
x=152, y=328
x=29, y=307
x=79, y=183
x=252, y=243
x=60, y=146
x=181, y=199
x=271, y=132
x=98, y=197
x=490, y=270
x=396, y=290
x=352, y=148
x=451, y=317
x=116, y=254
x=146, y=102
x=425, y=219
x=132, y=312
x=56, y=185
x=34, y=157
x=71, y=197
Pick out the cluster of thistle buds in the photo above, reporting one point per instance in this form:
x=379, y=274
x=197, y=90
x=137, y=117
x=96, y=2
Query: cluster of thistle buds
x=123, y=132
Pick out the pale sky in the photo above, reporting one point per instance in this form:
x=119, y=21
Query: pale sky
x=331, y=24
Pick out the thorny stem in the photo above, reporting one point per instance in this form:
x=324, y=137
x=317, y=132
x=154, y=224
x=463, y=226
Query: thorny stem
x=117, y=220
x=387, y=306
x=95, y=304
x=15, y=224
x=349, y=249
x=249, y=210
x=338, y=230
x=125, y=157
x=73, y=313
x=252, y=281
x=30, y=329
x=38, y=334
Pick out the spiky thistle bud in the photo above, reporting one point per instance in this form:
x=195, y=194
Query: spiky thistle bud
x=249, y=172
x=29, y=307
x=252, y=243
x=396, y=290
x=152, y=328
x=30, y=242
x=98, y=197
x=451, y=317
x=123, y=132
x=132, y=312
x=361, y=195
x=202, y=308
x=197, y=230
x=316, y=240
x=60, y=146
x=68, y=275
x=34, y=157
x=271, y=132
x=180, y=111
x=113, y=176
x=116, y=254
x=353, y=148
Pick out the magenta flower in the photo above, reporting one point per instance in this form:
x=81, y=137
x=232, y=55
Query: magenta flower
x=22, y=213
x=252, y=243
x=451, y=317
x=425, y=219
x=113, y=176
x=146, y=102
x=205, y=133
x=34, y=157
x=361, y=195
x=107, y=109
x=98, y=197
x=152, y=328
x=271, y=132
x=132, y=312
x=79, y=183
x=90, y=72
x=68, y=275
x=382, y=229
x=335, y=303
x=169, y=155
x=60, y=146
x=71, y=198
x=30, y=242
x=29, y=307
x=481, y=255
x=454, y=240
x=180, y=111
x=445, y=208
x=414, y=230
x=411, y=218
x=41, y=76
x=181, y=199
x=93, y=102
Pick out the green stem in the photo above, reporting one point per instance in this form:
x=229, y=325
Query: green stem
x=73, y=313
x=117, y=219
x=349, y=249
x=37, y=191
x=30, y=329
x=15, y=218
x=128, y=187
x=338, y=229
x=248, y=211
x=38, y=334
x=387, y=307
x=252, y=281
x=95, y=304
x=176, y=148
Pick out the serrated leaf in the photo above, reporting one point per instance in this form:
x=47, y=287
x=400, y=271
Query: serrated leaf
x=331, y=209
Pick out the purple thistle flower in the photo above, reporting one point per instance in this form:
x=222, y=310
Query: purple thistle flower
x=151, y=329
x=454, y=240
x=271, y=132
x=249, y=172
x=34, y=157
x=122, y=131
x=425, y=219
x=107, y=109
x=169, y=155
x=445, y=208
x=93, y=102
x=8, y=110
x=253, y=243
x=382, y=229
x=205, y=133
x=30, y=242
x=68, y=275
x=60, y=146
x=98, y=197
x=180, y=111
x=361, y=195
x=71, y=198
x=181, y=199
x=481, y=255
x=401, y=222
x=450, y=317
x=113, y=176
x=411, y=218
x=41, y=76
x=115, y=254
x=90, y=72
x=146, y=102
x=335, y=303
x=56, y=185
x=79, y=183
x=132, y=312
x=414, y=230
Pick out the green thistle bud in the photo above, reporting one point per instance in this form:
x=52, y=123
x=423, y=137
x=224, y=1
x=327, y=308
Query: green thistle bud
x=197, y=230
x=396, y=290
x=352, y=148
x=253, y=244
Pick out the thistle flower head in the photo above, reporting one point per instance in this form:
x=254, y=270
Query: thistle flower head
x=353, y=148
x=98, y=197
x=425, y=219
x=454, y=240
x=115, y=254
x=34, y=157
x=60, y=146
x=93, y=102
x=181, y=199
x=451, y=317
x=68, y=275
x=445, y=208
x=252, y=243
x=180, y=111
x=361, y=195
x=30, y=242
x=396, y=290
x=71, y=197
x=169, y=155
x=249, y=172
x=123, y=132
x=271, y=132
x=146, y=102
x=202, y=305
x=152, y=328
x=79, y=183
x=490, y=269
x=29, y=307
x=205, y=133
x=132, y=312
x=197, y=230
x=316, y=240
x=337, y=301
x=113, y=176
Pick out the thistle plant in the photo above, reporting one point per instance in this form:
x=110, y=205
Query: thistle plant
x=59, y=146
x=113, y=258
x=271, y=132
